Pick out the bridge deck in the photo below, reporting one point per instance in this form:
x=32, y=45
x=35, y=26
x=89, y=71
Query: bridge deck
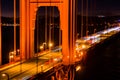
x=49, y=59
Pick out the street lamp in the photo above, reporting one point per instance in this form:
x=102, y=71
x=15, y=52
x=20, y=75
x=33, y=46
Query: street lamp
x=43, y=46
x=18, y=52
x=50, y=45
x=5, y=76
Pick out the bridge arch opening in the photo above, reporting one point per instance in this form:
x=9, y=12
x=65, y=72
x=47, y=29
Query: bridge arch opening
x=47, y=18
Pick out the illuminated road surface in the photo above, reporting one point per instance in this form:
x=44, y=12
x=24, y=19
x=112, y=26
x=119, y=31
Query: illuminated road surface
x=30, y=68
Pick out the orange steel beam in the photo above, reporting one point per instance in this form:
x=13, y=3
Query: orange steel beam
x=0, y=33
x=72, y=30
x=47, y=1
x=14, y=25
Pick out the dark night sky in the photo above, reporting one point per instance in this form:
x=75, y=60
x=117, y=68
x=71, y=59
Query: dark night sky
x=7, y=8
x=98, y=7
x=102, y=7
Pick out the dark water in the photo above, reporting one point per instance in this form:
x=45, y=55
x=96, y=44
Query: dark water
x=103, y=62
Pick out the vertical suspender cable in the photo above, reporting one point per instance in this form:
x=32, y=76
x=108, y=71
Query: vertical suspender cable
x=91, y=11
x=15, y=27
x=37, y=19
x=81, y=18
x=94, y=12
x=60, y=27
x=73, y=26
x=86, y=17
x=50, y=27
x=0, y=32
x=45, y=27
x=53, y=24
x=76, y=7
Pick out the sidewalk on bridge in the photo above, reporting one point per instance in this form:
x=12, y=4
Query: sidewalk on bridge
x=9, y=65
x=12, y=64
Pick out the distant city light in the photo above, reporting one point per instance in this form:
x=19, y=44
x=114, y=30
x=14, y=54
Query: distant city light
x=101, y=16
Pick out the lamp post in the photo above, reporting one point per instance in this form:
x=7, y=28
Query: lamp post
x=18, y=52
x=41, y=68
x=11, y=57
x=94, y=31
x=43, y=46
x=87, y=33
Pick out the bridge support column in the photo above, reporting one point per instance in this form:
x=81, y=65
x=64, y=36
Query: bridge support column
x=67, y=19
x=27, y=27
x=0, y=34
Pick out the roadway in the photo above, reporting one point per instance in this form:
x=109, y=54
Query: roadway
x=31, y=67
x=87, y=42
x=83, y=44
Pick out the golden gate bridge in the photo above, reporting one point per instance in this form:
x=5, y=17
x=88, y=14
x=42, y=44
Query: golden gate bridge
x=64, y=59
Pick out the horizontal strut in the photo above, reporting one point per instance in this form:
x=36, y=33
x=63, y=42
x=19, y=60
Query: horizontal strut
x=47, y=2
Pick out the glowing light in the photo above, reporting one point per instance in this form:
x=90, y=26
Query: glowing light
x=78, y=68
x=55, y=59
x=83, y=46
x=3, y=75
x=41, y=47
x=50, y=44
x=11, y=56
x=18, y=50
x=81, y=53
